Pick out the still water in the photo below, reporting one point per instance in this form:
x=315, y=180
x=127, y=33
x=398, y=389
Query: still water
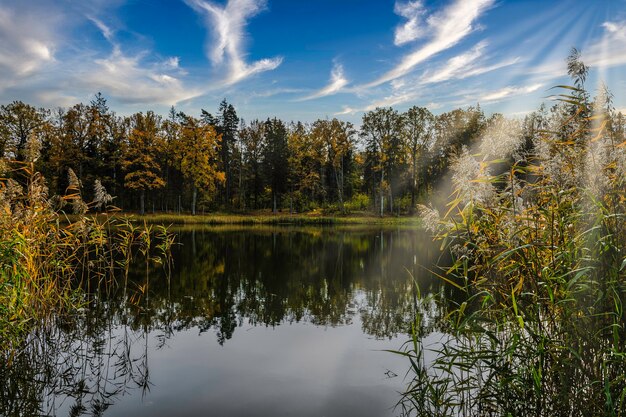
x=253, y=321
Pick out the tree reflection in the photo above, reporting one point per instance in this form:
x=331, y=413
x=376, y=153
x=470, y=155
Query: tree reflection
x=222, y=279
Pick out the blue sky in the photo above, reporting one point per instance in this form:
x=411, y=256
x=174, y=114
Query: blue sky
x=305, y=59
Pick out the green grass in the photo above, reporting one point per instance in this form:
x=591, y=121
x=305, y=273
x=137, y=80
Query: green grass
x=268, y=218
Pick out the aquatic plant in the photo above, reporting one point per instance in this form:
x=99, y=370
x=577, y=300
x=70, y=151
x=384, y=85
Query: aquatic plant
x=46, y=260
x=539, y=252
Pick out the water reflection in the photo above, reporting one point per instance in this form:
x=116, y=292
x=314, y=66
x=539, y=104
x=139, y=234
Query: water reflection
x=228, y=281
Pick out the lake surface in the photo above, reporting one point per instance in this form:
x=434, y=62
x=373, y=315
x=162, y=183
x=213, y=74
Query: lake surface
x=254, y=321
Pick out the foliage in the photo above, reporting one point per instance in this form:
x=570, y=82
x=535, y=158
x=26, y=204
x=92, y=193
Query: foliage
x=537, y=233
x=44, y=260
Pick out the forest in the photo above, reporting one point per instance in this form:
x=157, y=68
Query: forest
x=146, y=162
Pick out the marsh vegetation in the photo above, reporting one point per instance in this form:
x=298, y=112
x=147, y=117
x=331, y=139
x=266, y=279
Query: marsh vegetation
x=537, y=229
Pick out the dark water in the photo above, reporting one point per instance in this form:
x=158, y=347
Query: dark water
x=254, y=321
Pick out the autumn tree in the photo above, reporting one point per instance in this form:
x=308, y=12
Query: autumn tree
x=304, y=165
x=143, y=171
x=198, y=157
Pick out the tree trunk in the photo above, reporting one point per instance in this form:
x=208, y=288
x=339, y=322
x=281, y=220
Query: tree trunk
x=194, y=195
x=382, y=194
x=274, y=194
x=414, y=187
x=142, y=200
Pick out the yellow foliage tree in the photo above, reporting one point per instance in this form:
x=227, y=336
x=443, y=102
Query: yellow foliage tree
x=143, y=171
x=198, y=152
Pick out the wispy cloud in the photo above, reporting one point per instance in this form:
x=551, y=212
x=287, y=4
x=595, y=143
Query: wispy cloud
x=276, y=92
x=616, y=29
x=227, y=24
x=129, y=80
x=337, y=82
x=465, y=65
x=412, y=29
x=27, y=43
x=456, y=67
x=107, y=32
x=610, y=51
x=449, y=27
x=509, y=91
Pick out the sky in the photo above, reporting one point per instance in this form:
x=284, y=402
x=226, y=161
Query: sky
x=306, y=59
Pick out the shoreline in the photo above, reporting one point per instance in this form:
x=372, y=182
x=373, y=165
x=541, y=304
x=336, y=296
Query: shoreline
x=267, y=218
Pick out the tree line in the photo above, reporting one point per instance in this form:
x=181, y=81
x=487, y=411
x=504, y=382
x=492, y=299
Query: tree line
x=217, y=161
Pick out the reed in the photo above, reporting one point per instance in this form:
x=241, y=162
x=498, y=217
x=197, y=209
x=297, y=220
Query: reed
x=49, y=264
x=539, y=255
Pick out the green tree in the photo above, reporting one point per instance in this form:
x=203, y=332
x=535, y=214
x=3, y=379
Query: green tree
x=418, y=135
x=381, y=129
x=253, y=148
x=226, y=124
x=18, y=122
x=337, y=141
x=276, y=159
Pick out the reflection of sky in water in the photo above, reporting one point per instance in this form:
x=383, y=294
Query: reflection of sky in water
x=294, y=369
x=312, y=315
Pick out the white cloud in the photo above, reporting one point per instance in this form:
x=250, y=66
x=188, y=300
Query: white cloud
x=107, y=32
x=465, y=65
x=411, y=30
x=227, y=24
x=130, y=81
x=611, y=50
x=347, y=110
x=276, y=92
x=27, y=43
x=456, y=67
x=448, y=26
x=616, y=29
x=337, y=82
x=509, y=92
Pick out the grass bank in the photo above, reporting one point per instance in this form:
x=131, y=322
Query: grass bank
x=260, y=218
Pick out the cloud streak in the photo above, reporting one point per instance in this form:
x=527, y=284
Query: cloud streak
x=448, y=26
x=465, y=65
x=337, y=82
x=509, y=91
x=227, y=24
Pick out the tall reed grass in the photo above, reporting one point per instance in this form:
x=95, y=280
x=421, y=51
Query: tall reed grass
x=538, y=238
x=47, y=263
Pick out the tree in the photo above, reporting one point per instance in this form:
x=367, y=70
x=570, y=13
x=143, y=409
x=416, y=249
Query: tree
x=143, y=171
x=417, y=132
x=253, y=148
x=381, y=129
x=304, y=164
x=18, y=122
x=275, y=158
x=336, y=140
x=198, y=150
x=226, y=125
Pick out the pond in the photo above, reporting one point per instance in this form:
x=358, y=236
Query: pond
x=253, y=321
